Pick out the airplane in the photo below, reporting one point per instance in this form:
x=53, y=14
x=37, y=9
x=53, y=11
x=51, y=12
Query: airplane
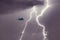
x=21, y=18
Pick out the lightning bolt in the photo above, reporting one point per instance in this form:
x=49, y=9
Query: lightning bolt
x=32, y=10
x=41, y=25
x=41, y=14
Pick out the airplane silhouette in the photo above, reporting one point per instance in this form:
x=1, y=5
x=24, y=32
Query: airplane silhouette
x=21, y=18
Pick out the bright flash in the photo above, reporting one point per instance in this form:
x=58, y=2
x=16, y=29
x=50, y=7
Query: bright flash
x=33, y=10
x=41, y=25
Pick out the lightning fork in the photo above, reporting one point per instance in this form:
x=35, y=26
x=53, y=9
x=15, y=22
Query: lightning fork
x=41, y=14
x=32, y=11
x=41, y=25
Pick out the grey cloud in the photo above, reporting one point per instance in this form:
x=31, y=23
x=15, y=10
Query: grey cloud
x=12, y=5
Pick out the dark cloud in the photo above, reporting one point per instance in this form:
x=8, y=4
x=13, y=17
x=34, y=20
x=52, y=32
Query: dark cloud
x=12, y=5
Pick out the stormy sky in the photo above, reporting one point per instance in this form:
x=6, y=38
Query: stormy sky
x=11, y=28
x=13, y=5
